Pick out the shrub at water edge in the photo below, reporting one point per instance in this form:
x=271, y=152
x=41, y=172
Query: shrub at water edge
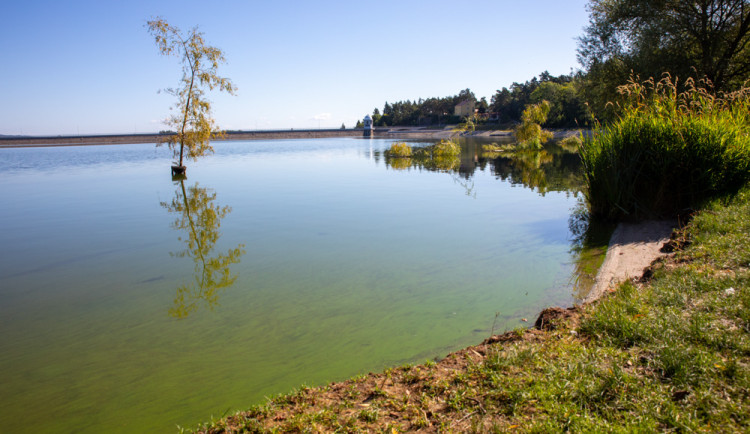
x=530, y=133
x=446, y=149
x=668, y=151
x=399, y=150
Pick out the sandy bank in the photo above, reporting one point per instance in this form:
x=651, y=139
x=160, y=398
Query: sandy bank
x=632, y=248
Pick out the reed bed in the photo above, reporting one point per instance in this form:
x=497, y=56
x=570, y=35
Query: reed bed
x=668, y=151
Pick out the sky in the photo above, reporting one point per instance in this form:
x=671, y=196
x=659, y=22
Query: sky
x=91, y=67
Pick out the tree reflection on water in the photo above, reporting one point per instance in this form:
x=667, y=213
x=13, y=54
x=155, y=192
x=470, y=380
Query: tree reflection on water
x=554, y=168
x=200, y=218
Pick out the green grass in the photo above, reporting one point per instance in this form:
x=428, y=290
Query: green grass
x=668, y=151
x=672, y=354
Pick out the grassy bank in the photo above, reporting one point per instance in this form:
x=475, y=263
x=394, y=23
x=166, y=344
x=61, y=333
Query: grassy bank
x=672, y=353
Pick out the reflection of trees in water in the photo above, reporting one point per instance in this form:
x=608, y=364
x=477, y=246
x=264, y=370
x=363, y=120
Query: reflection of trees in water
x=558, y=168
x=554, y=168
x=588, y=247
x=467, y=185
x=530, y=166
x=424, y=158
x=549, y=169
x=402, y=163
x=441, y=163
x=200, y=218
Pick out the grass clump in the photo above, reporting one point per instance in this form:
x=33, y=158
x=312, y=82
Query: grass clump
x=668, y=150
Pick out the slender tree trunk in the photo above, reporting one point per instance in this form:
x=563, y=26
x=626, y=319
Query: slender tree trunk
x=184, y=119
x=190, y=94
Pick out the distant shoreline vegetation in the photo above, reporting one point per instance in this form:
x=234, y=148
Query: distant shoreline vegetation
x=567, y=108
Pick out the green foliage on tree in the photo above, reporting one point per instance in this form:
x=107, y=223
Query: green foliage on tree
x=192, y=119
x=432, y=111
x=564, y=94
x=701, y=38
x=482, y=106
x=530, y=133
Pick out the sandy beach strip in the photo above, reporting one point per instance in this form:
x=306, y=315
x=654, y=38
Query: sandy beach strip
x=632, y=248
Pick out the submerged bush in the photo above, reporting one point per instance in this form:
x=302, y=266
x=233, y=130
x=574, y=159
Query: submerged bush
x=668, y=151
x=443, y=156
x=571, y=143
x=446, y=149
x=399, y=150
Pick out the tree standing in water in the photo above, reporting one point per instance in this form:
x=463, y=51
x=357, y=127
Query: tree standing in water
x=192, y=121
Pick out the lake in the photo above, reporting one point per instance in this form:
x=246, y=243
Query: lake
x=130, y=302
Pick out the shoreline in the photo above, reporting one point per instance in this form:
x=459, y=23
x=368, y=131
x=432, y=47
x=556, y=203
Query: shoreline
x=129, y=139
x=389, y=133
x=449, y=392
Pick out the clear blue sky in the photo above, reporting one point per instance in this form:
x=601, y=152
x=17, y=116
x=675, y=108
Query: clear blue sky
x=90, y=67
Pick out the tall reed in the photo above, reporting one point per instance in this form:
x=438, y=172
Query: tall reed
x=669, y=150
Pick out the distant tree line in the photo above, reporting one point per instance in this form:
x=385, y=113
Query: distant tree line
x=702, y=39
x=430, y=111
x=563, y=93
x=567, y=107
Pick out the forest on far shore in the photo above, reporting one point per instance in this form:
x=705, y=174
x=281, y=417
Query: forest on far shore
x=706, y=40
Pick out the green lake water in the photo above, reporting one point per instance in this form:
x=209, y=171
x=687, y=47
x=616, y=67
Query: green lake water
x=130, y=302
